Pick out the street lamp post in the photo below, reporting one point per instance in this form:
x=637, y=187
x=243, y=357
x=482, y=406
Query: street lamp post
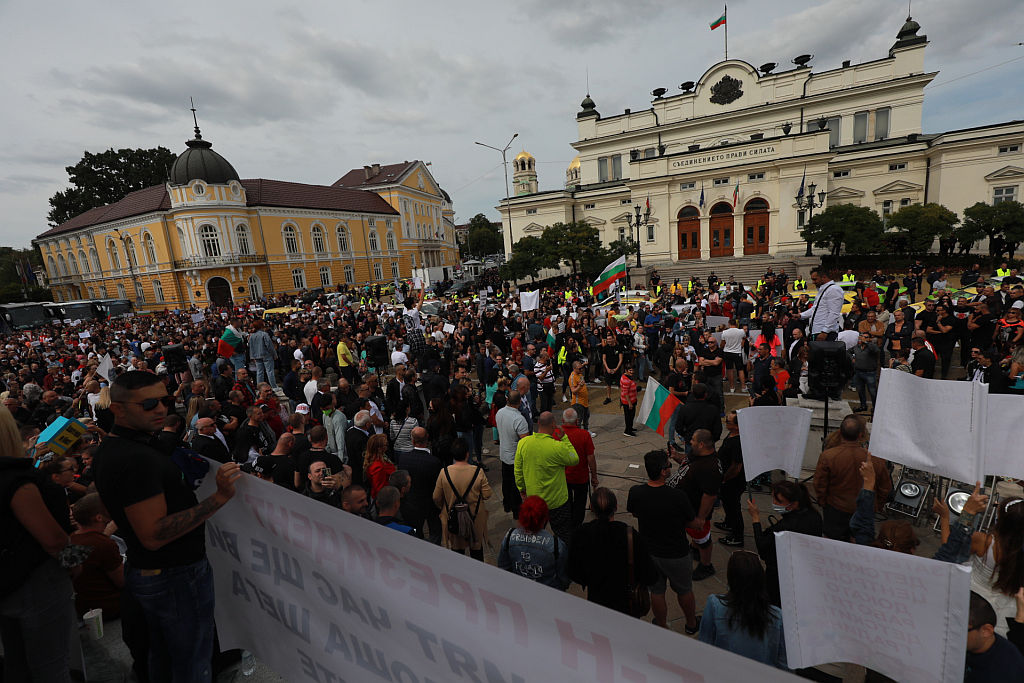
x=504, y=165
x=131, y=265
x=641, y=220
x=810, y=204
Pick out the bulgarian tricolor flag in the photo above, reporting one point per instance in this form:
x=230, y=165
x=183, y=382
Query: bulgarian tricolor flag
x=657, y=407
x=551, y=337
x=616, y=270
x=229, y=342
x=735, y=194
x=720, y=21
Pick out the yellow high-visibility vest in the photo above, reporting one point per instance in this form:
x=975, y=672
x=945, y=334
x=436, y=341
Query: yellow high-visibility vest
x=568, y=295
x=1003, y=272
x=563, y=354
x=849, y=277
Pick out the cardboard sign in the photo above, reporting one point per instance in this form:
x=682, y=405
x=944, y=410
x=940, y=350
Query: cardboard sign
x=61, y=434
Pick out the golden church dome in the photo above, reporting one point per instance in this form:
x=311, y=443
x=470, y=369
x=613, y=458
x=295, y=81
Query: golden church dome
x=575, y=163
x=524, y=155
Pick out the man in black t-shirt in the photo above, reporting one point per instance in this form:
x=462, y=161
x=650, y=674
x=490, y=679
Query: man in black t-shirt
x=711, y=363
x=730, y=460
x=923, y=364
x=662, y=514
x=701, y=482
x=611, y=358
x=162, y=524
x=317, y=452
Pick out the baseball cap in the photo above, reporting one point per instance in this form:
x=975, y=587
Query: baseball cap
x=302, y=409
x=1017, y=304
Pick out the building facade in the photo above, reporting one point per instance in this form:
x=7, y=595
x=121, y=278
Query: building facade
x=722, y=162
x=427, y=229
x=206, y=237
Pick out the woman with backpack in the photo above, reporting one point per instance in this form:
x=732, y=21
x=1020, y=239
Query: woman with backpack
x=459, y=493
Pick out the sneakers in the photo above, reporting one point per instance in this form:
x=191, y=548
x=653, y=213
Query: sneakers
x=731, y=542
x=564, y=399
x=703, y=571
x=593, y=435
x=691, y=631
x=723, y=526
x=607, y=401
x=629, y=433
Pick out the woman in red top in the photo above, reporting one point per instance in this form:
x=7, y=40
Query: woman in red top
x=377, y=469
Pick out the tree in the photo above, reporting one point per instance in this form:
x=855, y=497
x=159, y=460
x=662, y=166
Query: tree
x=529, y=255
x=11, y=286
x=1002, y=224
x=104, y=178
x=857, y=228
x=920, y=224
x=1009, y=217
x=578, y=245
x=483, y=237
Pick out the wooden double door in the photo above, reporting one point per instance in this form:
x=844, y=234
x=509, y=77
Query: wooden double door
x=720, y=230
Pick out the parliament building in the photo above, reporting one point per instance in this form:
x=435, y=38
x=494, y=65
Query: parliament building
x=723, y=161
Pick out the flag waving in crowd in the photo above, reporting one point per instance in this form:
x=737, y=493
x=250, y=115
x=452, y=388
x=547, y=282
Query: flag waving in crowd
x=616, y=270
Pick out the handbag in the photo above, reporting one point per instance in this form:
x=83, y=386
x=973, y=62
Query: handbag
x=637, y=596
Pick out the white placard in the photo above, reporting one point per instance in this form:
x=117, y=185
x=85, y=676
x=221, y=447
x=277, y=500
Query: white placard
x=714, y=321
x=198, y=317
x=529, y=301
x=898, y=614
x=417, y=283
x=84, y=335
x=224, y=314
x=1003, y=418
x=930, y=424
x=105, y=366
x=448, y=328
x=482, y=294
x=310, y=588
x=490, y=289
x=773, y=437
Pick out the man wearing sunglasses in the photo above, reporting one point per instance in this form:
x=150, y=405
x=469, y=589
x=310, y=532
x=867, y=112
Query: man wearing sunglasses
x=162, y=524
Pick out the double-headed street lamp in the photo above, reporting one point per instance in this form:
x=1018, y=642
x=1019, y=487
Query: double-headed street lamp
x=642, y=220
x=508, y=200
x=810, y=204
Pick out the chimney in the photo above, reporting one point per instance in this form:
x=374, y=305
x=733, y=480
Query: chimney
x=368, y=172
x=376, y=170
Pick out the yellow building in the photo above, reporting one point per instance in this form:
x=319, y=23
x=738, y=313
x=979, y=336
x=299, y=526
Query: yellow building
x=428, y=225
x=206, y=237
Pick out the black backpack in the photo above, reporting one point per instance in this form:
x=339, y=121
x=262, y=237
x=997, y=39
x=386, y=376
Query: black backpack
x=461, y=522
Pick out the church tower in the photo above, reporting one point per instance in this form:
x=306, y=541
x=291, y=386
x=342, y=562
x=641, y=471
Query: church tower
x=524, y=173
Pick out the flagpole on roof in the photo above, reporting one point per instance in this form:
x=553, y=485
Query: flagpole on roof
x=725, y=13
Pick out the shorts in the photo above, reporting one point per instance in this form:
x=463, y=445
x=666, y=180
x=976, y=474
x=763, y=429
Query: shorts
x=675, y=571
x=611, y=378
x=701, y=536
x=734, y=361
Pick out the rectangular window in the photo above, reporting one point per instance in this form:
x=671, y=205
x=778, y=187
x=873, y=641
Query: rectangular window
x=898, y=167
x=649, y=153
x=835, y=125
x=801, y=218
x=617, y=167
x=624, y=201
x=371, y=222
x=530, y=212
x=887, y=208
x=860, y=127
x=394, y=270
x=650, y=233
x=905, y=202
x=325, y=276
x=350, y=275
x=882, y=123
x=687, y=186
x=623, y=235
x=1004, y=194
x=845, y=173
x=755, y=176
x=1007, y=149
x=299, y=278
x=602, y=169
x=378, y=273
x=589, y=206
x=389, y=224
x=720, y=181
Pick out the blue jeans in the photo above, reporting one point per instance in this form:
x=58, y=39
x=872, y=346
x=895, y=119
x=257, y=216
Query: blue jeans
x=642, y=367
x=469, y=439
x=238, y=361
x=865, y=379
x=670, y=429
x=265, y=371
x=178, y=604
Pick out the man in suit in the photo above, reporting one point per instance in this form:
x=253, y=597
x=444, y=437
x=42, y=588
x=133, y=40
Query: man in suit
x=423, y=468
x=355, y=444
x=206, y=443
x=393, y=391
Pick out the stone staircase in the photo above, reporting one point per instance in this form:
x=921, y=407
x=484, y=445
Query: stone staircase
x=746, y=269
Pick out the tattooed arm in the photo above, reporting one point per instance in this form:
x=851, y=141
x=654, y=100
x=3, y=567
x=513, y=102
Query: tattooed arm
x=155, y=528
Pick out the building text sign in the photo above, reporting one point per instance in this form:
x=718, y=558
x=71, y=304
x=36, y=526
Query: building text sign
x=727, y=156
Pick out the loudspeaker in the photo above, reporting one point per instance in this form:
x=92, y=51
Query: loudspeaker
x=828, y=365
x=174, y=356
x=377, y=351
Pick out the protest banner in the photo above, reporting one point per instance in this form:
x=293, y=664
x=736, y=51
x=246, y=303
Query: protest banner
x=417, y=282
x=321, y=595
x=198, y=317
x=900, y=615
x=529, y=301
x=1004, y=416
x=773, y=437
x=448, y=328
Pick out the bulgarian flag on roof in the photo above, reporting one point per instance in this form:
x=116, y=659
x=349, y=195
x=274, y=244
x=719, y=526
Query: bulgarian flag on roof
x=657, y=407
x=720, y=21
x=616, y=270
x=229, y=342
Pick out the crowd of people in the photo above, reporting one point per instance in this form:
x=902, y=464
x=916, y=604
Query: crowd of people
x=383, y=411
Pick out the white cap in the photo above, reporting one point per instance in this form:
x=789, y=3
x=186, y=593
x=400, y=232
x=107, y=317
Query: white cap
x=1017, y=304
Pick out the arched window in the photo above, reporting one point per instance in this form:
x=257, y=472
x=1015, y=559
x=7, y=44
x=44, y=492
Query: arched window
x=158, y=291
x=182, y=242
x=51, y=266
x=319, y=243
x=242, y=238
x=95, y=259
x=299, y=278
x=150, y=248
x=756, y=204
x=83, y=262
x=689, y=212
x=291, y=240
x=72, y=264
x=391, y=241
x=121, y=294
x=255, y=288
x=344, y=245
x=129, y=247
x=210, y=241
x=62, y=265
x=140, y=296
x=374, y=242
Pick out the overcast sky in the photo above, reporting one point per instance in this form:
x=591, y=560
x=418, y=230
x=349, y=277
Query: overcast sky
x=306, y=93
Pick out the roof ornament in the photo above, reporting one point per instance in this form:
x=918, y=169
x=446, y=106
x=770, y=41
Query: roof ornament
x=195, y=120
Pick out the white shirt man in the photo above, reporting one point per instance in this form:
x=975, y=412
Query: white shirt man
x=732, y=339
x=399, y=357
x=826, y=314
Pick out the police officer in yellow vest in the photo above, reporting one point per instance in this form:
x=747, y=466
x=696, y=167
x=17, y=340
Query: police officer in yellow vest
x=848, y=276
x=1002, y=270
x=799, y=284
